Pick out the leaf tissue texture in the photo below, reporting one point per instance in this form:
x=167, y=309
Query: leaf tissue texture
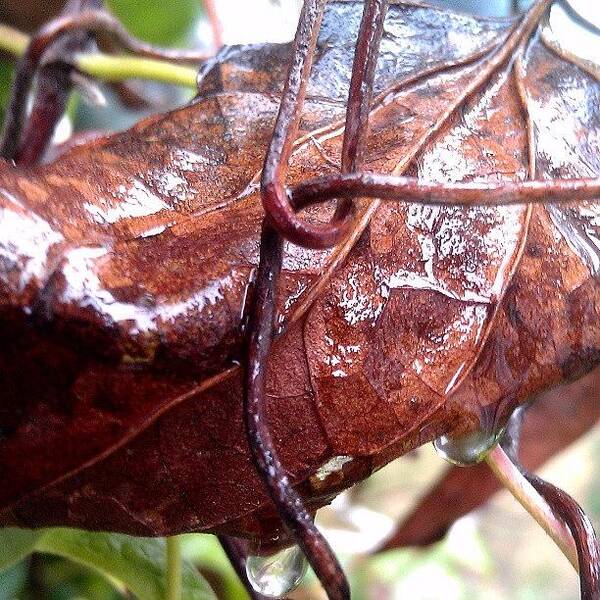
x=126, y=269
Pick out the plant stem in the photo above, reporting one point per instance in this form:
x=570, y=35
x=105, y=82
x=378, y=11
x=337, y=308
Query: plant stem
x=512, y=478
x=174, y=569
x=120, y=68
x=108, y=67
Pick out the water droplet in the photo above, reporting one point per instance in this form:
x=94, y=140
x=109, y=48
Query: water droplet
x=276, y=574
x=469, y=449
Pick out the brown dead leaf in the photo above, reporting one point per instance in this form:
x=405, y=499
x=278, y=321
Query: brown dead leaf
x=127, y=266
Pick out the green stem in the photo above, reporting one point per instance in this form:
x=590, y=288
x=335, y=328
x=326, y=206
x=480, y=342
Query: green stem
x=120, y=68
x=510, y=476
x=108, y=67
x=174, y=569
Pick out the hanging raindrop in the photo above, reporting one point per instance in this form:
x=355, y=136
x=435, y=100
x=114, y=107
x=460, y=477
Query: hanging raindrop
x=276, y=574
x=469, y=449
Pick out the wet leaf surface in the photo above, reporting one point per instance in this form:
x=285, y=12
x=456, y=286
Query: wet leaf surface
x=127, y=267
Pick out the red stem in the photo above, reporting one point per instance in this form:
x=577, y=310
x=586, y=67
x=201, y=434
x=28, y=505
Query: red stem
x=289, y=504
x=411, y=189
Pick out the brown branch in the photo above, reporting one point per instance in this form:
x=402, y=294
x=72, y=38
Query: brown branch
x=411, y=189
x=289, y=504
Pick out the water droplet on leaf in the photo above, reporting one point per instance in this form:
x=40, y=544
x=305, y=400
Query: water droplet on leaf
x=276, y=574
x=469, y=449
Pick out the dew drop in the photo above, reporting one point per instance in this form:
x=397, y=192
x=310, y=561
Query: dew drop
x=276, y=574
x=469, y=449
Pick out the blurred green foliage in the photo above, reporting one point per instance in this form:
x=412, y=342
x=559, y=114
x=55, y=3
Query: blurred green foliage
x=167, y=23
x=6, y=71
x=66, y=564
x=13, y=581
x=138, y=564
x=54, y=578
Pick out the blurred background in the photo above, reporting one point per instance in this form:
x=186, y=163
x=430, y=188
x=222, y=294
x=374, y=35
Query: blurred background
x=494, y=553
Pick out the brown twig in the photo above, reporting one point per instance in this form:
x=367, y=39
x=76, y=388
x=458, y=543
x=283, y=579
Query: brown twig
x=411, y=189
x=289, y=504
x=237, y=553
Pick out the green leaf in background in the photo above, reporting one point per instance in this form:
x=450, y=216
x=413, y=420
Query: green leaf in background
x=138, y=563
x=205, y=551
x=56, y=578
x=16, y=544
x=157, y=21
x=6, y=71
x=13, y=581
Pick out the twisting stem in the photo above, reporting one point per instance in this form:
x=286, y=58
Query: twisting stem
x=275, y=200
x=274, y=197
x=360, y=94
x=174, y=569
x=517, y=484
x=565, y=508
x=588, y=549
x=15, y=42
x=278, y=205
x=287, y=501
x=289, y=504
x=52, y=92
x=100, y=20
x=48, y=106
x=557, y=513
x=90, y=21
